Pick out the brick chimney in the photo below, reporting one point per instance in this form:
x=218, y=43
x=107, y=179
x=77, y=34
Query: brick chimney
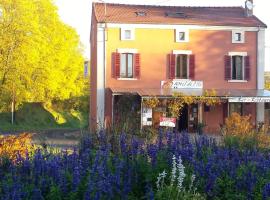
x=249, y=8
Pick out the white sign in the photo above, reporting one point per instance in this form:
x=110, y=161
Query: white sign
x=249, y=99
x=147, y=116
x=169, y=122
x=182, y=84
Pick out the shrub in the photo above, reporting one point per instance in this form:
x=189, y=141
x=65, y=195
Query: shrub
x=13, y=145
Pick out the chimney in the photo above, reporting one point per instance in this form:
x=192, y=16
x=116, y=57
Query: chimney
x=249, y=8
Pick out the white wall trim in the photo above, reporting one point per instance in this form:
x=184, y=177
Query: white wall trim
x=177, y=31
x=131, y=29
x=234, y=53
x=242, y=36
x=260, y=58
x=127, y=79
x=187, y=52
x=237, y=81
x=173, y=26
x=126, y=50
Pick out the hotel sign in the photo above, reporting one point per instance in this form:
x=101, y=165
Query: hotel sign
x=249, y=99
x=182, y=84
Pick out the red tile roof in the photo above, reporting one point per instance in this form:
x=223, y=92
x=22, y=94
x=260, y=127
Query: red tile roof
x=213, y=16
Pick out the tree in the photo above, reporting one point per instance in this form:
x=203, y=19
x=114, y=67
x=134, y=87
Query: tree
x=40, y=56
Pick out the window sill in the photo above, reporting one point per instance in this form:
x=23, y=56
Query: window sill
x=127, y=79
x=237, y=81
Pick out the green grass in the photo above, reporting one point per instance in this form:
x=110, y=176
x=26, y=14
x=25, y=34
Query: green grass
x=35, y=116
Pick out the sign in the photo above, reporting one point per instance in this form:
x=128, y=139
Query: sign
x=249, y=99
x=147, y=116
x=182, y=84
x=166, y=121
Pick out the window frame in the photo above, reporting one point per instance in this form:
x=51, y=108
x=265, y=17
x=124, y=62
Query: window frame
x=243, y=55
x=242, y=108
x=177, y=31
x=187, y=65
x=242, y=34
x=132, y=33
x=182, y=52
x=127, y=65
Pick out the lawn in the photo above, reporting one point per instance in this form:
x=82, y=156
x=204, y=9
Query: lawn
x=36, y=116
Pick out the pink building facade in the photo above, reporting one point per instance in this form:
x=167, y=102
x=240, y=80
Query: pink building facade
x=158, y=51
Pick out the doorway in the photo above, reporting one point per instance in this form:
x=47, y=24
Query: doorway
x=183, y=119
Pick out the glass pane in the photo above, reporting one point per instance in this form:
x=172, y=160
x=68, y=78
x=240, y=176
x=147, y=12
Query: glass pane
x=123, y=65
x=236, y=107
x=127, y=34
x=181, y=35
x=237, y=68
x=237, y=36
x=184, y=66
x=130, y=65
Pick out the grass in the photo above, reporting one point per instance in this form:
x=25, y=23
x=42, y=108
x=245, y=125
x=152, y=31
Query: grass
x=36, y=116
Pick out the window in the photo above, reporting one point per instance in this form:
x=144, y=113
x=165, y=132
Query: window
x=127, y=34
x=181, y=35
x=238, y=36
x=237, y=68
x=126, y=65
x=236, y=107
x=181, y=69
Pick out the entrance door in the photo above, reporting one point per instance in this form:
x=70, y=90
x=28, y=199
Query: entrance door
x=193, y=118
x=183, y=119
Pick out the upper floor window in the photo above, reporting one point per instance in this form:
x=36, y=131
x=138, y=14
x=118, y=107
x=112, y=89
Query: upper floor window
x=127, y=34
x=237, y=66
x=182, y=65
x=126, y=64
x=181, y=69
x=181, y=35
x=238, y=36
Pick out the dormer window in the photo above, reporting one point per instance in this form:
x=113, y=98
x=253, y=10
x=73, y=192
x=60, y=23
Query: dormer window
x=127, y=34
x=181, y=35
x=238, y=36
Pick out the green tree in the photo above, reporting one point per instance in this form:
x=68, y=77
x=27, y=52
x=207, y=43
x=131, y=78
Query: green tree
x=40, y=56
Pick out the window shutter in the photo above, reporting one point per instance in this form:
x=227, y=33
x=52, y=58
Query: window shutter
x=137, y=65
x=247, y=68
x=172, y=66
x=192, y=66
x=116, y=65
x=227, y=71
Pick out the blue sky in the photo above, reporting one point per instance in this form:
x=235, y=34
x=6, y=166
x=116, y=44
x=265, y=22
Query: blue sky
x=77, y=13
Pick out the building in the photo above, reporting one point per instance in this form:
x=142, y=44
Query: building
x=158, y=51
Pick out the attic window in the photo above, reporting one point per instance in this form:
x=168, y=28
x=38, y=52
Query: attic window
x=176, y=14
x=141, y=13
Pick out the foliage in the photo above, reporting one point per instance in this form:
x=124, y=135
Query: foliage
x=11, y=146
x=176, y=189
x=150, y=102
x=237, y=125
x=94, y=171
x=40, y=56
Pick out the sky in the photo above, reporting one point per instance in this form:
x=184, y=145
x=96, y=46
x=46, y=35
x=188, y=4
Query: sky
x=77, y=13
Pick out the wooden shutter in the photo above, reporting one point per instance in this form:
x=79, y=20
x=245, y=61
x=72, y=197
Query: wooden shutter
x=247, y=68
x=227, y=67
x=192, y=66
x=137, y=65
x=116, y=65
x=171, y=66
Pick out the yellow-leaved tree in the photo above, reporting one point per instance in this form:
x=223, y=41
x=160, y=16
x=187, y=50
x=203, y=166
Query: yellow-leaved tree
x=40, y=56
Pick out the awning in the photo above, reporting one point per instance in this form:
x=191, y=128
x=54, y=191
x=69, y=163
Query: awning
x=244, y=95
